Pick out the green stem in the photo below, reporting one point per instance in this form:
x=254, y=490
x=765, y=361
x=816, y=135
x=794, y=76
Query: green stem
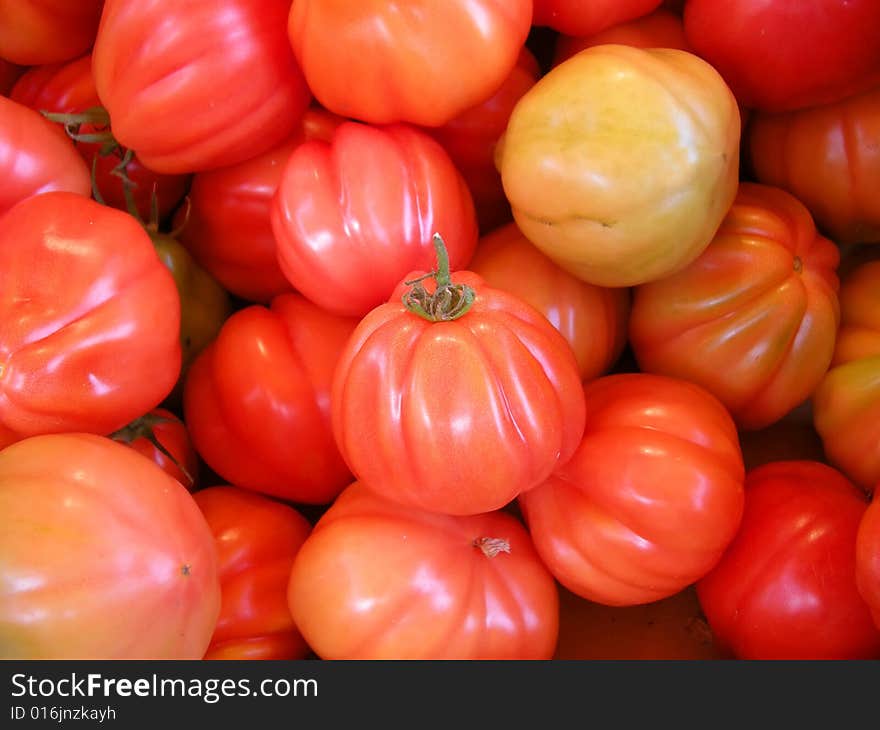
x=448, y=301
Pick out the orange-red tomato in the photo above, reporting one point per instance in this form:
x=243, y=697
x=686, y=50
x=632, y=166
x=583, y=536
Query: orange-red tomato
x=585, y=17
x=828, y=157
x=103, y=555
x=47, y=31
x=592, y=319
x=257, y=400
x=753, y=319
x=651, y=498
x=257, y=540
x=868, y=559
x=378, y=580
x=431, y=60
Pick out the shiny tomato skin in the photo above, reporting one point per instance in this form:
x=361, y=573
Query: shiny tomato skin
x=90, y=318
x=96, y=535
x=35, y=32
x=759, y=305
x=419, y=61
x=222, y=87
x=352, y=216
x=226, y=225
x=779, y=56
x=456, y=416
x=828, y=157
x=586, y=17
x=256, y=401
x=35, y=157
x=257, y=540
x=785, y=588
x=651, y=498
x=378, y=580
x=592, y=319
x=868, y=559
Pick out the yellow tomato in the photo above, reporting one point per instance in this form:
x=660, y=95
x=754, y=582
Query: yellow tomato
x=621, y=163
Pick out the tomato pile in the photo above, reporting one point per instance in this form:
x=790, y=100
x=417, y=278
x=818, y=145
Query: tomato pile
x=518, y=329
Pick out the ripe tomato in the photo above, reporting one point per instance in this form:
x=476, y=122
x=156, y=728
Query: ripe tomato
x=352, y=216
x=846, y=405
x=621, y=162
x=378, y=580
x=68, y=88
x=47, y=31
x=417, y=61
x=651, y=498
x=91, y=318
x=785, y=588
x=868, y=559
x=586, y=17
x=222, y=87
x=778, y=56
x=226, y=226
x=462, y=407
x=591, y=318
x=753, y=319
x=35, y=157
x=829, y=157
x=257, y=539
x=162, y=437
x=256, y=401
x=95, y=535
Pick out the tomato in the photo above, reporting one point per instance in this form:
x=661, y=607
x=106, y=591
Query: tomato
x=47, y=31
x=96, y=535
x=162, y=437
x=226, y=226
x=651, y=498
x=868, y=559
x=379, y=580
x=846, y=405
x=778, y=56
x=35, y=157
x=256, y=401
x=352, y=216
x=68, y=88
x=660, y=29
x=91, y=318
x=829, y=157
x=759, y=306
x=586, y=17
x=257, y=540
x=785, y=588
x=670, y=629
x=591, y=318
x=621, y=163
x=418, y=61
x=454, y=396
x=222, y=87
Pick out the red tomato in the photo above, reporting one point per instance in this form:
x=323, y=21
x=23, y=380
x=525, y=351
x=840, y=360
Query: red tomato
x=586, y=17
x=785, y=588
x=91, y=318
x=868, y=559
x=378, y=580
x=461, y=408
x=471, y=137
x=221, y=87
x=257, y=540
x=226, y=226
x=104, y=556
x=68, y=88
x=591, y=318
x=352, y=216
x=651, y=498
x=162, y=437
x=35, y=157
x=47, y=31
x=758, y=308
x=829, y=157
x=417, y=61
x=777, y=55
x=257, y=400
x=660, y=29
